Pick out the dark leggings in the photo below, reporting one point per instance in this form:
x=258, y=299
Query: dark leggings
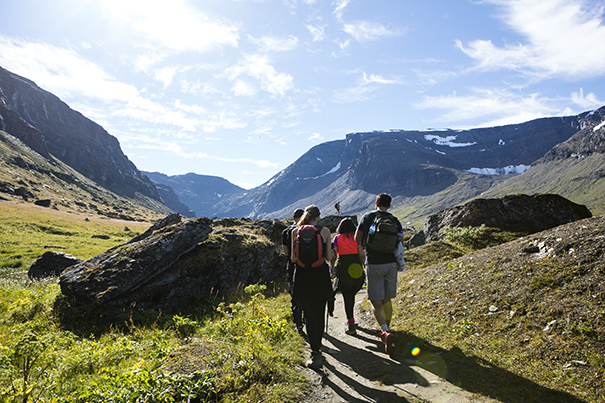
x=314, y=311
x=349, y=299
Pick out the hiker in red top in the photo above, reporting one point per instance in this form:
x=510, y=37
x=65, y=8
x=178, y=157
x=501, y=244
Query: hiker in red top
x=348, y=266
x=312, y=282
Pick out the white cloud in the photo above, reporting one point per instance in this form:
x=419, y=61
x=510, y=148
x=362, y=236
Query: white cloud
x=589, y=101
x=340, y=6
x=275, y=44
x=494, y=107
x=317, y=31
x=258, y=67
x=62, y=71
x=365, y=87
x=177, y=26
x=367, y=31
x=316, y=138
x=165, y=75
x=563, y=38
x=242, y=88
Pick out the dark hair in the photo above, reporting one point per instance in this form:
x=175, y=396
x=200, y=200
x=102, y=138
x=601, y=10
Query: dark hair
x=383, y=200
x=311, y=213
x=298, y=213
x=346, y=226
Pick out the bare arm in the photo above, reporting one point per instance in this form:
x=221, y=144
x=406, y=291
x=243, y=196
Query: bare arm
x=361, y=253
x=359, y=234
x=326, y=236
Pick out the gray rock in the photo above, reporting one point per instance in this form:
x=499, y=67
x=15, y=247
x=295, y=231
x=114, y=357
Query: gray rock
x=127, y=267
x=51, y=264
x=518, y=213
x=332, y=221
x=176, y=267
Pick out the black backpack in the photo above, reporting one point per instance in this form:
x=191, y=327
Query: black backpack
x=308, y=246
x=382, y=234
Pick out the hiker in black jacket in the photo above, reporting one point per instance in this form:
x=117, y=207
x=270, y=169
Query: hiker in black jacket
x=312, y=282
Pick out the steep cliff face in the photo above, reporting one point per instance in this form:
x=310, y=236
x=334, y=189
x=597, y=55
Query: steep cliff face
x=70, y=137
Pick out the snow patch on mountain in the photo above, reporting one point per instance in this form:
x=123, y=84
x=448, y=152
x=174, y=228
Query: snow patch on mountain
x=597, y=127
x=446, y=141
x=331, y=171
x=511, y=169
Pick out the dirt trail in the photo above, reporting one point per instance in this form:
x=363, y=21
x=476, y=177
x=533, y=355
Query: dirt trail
x=356, y=368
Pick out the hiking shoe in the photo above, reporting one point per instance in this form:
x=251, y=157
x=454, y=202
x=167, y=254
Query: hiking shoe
x=389, y=342
x=315, y=362
x=350, y=329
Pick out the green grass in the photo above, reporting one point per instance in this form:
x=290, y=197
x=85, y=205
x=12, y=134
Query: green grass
x=577, y=181
x=245, y=349
x=27, y=231
x=515, y=325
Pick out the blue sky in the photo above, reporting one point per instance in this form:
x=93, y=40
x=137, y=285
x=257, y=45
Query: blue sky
x=242, y=88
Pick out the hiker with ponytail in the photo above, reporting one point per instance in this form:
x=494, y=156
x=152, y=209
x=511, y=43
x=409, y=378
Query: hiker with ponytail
x=312, y=284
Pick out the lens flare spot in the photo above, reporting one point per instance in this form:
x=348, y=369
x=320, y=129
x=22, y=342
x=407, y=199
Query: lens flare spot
x=415, y=351
x=355, y=270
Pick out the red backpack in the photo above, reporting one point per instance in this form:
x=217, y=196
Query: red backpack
x=308, y=246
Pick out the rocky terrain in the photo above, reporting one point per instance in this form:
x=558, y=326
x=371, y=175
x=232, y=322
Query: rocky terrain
x=514, y=213
x=174, y=266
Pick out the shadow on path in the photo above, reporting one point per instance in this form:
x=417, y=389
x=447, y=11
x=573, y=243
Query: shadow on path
x=470, y=373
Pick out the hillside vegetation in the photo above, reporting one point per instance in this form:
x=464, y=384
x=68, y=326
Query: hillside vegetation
x=530, y=311
x=520, y=321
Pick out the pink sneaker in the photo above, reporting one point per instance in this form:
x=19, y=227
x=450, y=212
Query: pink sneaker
x=388, y=339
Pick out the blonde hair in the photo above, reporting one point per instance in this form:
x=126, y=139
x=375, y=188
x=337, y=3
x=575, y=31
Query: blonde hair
x=311, y=214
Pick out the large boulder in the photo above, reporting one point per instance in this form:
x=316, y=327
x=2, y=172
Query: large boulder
x=51, y=264
x=176, y=266
x=332, y=221
x=516, y=213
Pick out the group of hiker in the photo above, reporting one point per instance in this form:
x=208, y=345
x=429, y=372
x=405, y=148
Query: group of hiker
x=320, y=266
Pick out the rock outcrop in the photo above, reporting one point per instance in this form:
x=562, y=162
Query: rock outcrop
x=51, y=264
x=332, y=221
x=516, y=213
x=175, y=265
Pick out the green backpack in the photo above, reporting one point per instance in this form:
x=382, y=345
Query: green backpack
x=382, y=235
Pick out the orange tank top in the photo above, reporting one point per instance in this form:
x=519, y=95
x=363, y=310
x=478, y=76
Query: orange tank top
x=346, y=244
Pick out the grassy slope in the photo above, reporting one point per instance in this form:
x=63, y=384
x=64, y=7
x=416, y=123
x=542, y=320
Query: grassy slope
x=27, y=231
x=575, y=180
x=468, y=186
x=516, y=322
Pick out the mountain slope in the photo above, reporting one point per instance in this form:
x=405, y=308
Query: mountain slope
x=69, y=136
x=574, y=169
x=28, y=177
x=418, y=168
